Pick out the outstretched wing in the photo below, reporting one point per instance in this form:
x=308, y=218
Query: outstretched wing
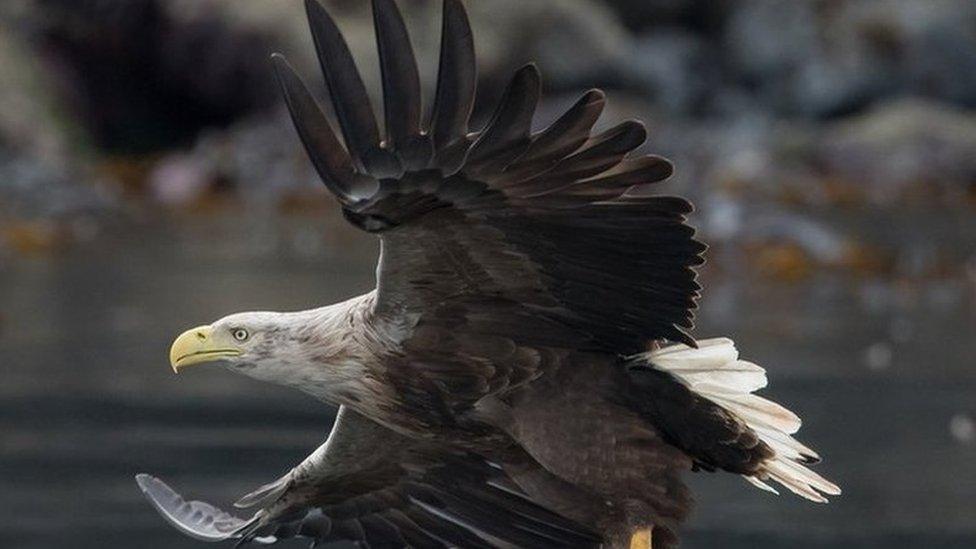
x=541, y=219
x=368, y=485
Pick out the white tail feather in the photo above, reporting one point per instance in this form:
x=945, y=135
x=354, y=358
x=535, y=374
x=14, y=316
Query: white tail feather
x=714, y=371
x=756, y=409
x=760, y=484
x=785, y=444
x=739, y=378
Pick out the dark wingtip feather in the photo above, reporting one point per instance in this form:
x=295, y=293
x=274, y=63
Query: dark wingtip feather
x=620, y=139
x=653, y=169
x=327, y=154
x=563, y=137
x=456, y=79
x=529, y=72
x=594, y=99
x=401, y=80
x=593, y=95
x=402, y=104
x=349, y=97
x=511, y=123
x=629, y=175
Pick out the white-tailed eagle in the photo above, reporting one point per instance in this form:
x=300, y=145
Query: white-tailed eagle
x=523, y=374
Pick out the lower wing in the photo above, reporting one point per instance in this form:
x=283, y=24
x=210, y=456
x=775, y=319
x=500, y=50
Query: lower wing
x=370, y=486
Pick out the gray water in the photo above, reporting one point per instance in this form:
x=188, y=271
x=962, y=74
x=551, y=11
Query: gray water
x=87, y=399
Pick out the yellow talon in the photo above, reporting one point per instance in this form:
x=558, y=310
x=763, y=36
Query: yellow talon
x=641, y=539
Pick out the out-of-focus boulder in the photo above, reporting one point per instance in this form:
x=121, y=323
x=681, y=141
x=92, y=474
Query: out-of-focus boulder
x=33, y=189
x=32, y=122
x=704, y=16
x=44, y=200
x=179, y=179
x=146, y=74
x=674, y=69
x=574, y=42
x=780, y=50
x=932, y=44
x=778, y=241
x=44, y=206
x=905, y=150
x=829, y=58
x=260, y=159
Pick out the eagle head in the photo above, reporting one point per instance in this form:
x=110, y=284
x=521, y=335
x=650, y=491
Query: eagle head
x=306, y=349
x=247, y=341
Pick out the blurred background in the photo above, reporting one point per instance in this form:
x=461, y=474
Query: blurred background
x=150, y=181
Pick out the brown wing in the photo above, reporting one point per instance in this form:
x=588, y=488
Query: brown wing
x=371, y=486
x=530, y=241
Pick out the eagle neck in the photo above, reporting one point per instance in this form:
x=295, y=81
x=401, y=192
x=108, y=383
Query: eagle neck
x=328, y=352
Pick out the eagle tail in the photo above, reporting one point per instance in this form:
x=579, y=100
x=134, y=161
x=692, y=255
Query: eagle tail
x=714, y=371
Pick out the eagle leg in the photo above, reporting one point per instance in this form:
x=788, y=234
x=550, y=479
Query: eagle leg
x=641, y=539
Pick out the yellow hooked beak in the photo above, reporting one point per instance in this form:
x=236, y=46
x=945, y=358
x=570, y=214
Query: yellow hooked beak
x=199, y=345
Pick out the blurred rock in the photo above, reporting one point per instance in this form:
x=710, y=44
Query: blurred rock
x=260, y=160
x=829, y=58
x=907, y=149
x=179, y=179
x=777, y=48
x=32, y=121
x=33, y=237
x=932, y=44
x=546, y=32
x=145, y=74
x=855, y=196
x=32, y=189
x=703, y=16
x=45, y=197
x=43, y=208
x=672, y=67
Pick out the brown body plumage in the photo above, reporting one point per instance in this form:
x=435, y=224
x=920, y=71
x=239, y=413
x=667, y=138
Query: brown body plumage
x=521, y=280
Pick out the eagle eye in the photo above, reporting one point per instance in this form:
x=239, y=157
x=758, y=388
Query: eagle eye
x=240, y=334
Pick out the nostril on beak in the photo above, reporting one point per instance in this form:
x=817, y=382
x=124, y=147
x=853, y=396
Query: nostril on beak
x=201, y=336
